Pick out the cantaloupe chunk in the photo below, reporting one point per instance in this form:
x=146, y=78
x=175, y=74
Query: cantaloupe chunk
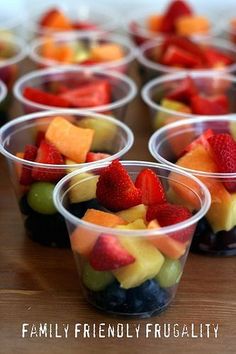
x=107, y=52
x=165, y=244
x=134, y=213
x=65, y=54
x=148, y=262
x=154, y=22
x=72, y=141
x=82, y=239
x=189, y=25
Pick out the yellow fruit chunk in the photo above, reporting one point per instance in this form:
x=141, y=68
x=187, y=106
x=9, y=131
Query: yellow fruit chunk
x=72, y=141
x=222, y=214
x=135, y=225
x=188, y=25
x=107, y=52
x=83, y=187
x=134, y=213
x=148, y=262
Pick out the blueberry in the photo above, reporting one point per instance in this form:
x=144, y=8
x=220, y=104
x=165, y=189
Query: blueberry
x=114, y=298
x=204, y=238
x=227, y=241
x=79, y=209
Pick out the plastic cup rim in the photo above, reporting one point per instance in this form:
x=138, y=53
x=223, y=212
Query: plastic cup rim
x=3, y=91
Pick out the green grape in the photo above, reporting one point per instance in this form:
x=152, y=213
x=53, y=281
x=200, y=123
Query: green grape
x=40, y=198
x=96, y=280
x=170, y=273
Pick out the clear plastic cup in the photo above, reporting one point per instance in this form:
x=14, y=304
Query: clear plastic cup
x=206, y=83
x=139, y=289
x=104, y=19
x=215, y=233
x=3, y=95
x=83, y=42
x=123, y=89
x=150, y=69
x=46, y=226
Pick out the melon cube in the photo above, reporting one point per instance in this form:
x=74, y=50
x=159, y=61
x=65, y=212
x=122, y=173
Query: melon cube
x=134, y=213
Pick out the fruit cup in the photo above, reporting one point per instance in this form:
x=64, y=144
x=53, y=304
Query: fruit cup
x=41, y=148
x=188, y=95
x=127, y=265
x=3, y=95
x=73, y=87
x=167, y=56
x=205, y=147
x=86, y=49
x=53, y=19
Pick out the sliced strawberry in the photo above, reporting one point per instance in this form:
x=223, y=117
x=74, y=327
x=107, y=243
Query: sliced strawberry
x=213, y=105
x=223, y=148
x=49, y=99
x=184, y=91
x=89, y=62
x=170, y=214
x=93, y=94
x=108, y=254
x=175, y=10
x=96, y=156
x=202, y=140
x=39, y=137
x=185, y=44
x=151, y=187
x=175, y=56
x=48, y=154
x=115, y=189
x=30, y=154
x=84, y=26
x=217, y=59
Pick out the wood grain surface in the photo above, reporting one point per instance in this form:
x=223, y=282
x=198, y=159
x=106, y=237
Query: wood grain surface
x=40, y=285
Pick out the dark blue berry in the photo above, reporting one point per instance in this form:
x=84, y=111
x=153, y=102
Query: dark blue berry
x=114, y=298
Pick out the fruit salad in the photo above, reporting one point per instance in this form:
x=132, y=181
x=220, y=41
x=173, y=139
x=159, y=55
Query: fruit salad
x=178, y=18
x=47, y=148
x=127, y=264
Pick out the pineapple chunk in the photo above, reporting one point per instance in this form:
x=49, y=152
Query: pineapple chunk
x=134, y=213
x=135, y=225
x=84, y=187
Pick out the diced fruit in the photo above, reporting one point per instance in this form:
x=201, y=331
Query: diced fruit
x=214, y=105
x=93, y=94
x=105, y=132
x=115, y=189
x=83, y=187
x=134, y=225
x=154, y=22
x=232, y=129
x=170, y=214
x=218, y=59
x=151, y=187
x=30, y=154
x=175, y=56
x=175, y=10
x=84, y=25
x=183, y=91
x=134, y=213
x=107, y=52
x=223, y=147
x=79, y=209
x=170, y=273
x=109, y=254
x=48, y=154
x=55, y=20
x=82, y=239
x=40, y=198
x=201, y=140
x=39, y=137
x=189, y=25
x=49, y=99
x=95, y=280
x=168, y=246
x=185, y=44
x=72, y=141
x=161, y=117
x=148, y=262
x=96, y=156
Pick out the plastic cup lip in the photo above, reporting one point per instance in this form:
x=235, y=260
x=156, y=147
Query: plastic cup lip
x=45, y=114
x=72, y=68
x=21, y=53
x=153, y=148
x=214, y=42
x=3, y=91
x=154, y=232
x=124, y=42
x=145, y=92
x=111, y=24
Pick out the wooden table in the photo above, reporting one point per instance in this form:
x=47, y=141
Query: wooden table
x=40, y=285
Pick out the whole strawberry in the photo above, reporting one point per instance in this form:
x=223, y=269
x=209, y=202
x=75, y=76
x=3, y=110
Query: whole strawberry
x=115, y=189
x=223, y=148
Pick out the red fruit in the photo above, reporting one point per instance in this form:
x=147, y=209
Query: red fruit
x=175, y=10
x=134, y=28
x=170, y=214
x=96, y=156
x=26, y=172
x=48, y=154
x=151, y=187
x=185, y=44
x=223, y=148
x=49, y=99
x=108, y=254
x=216, y=58
x=175, y=56
x=214, y=105
x=84, y=26
x=115, y=189
x=96, y=93
x=202, y=140
x=184, y=91
x=39, y=137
